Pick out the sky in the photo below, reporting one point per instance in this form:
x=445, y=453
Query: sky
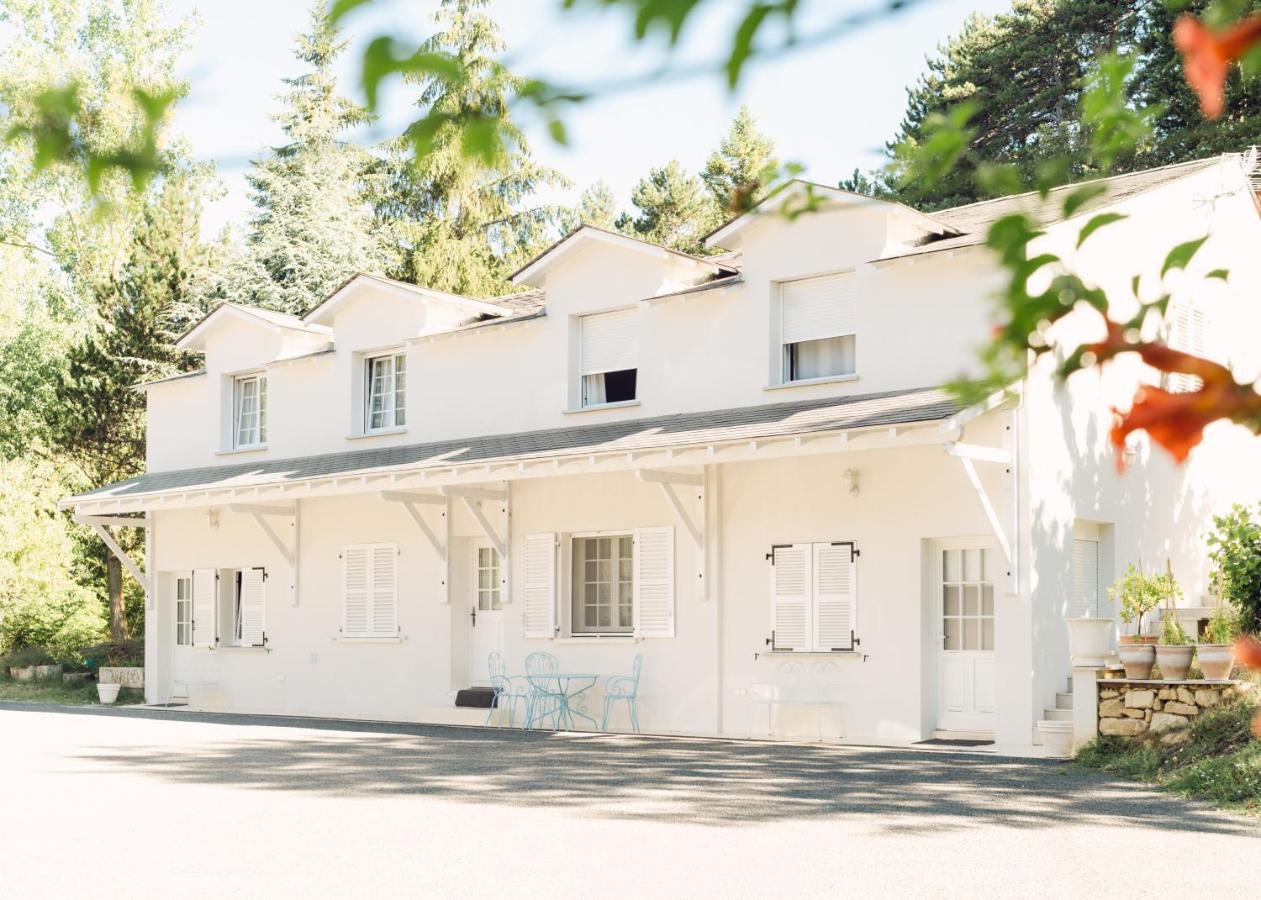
x=830, y=107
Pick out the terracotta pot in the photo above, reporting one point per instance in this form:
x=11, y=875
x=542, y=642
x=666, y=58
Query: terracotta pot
x=1174, y=661
x=1089, y=640
x=1216, y=660
x=1138, y=659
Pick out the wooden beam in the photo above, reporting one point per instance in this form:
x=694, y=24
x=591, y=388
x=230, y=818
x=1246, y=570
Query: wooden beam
x=475, y=510
x=258, y=509
x=103, y=533
x=988, y=508
x=116, y=521
x=979, y=453
x=474, y=493
x=660, y=476
x=405, y=497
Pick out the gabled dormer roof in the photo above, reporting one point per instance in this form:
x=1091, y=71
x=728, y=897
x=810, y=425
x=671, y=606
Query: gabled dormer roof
x=584, y=234
x=194, y=338
x=323, y=313
x=831, y=196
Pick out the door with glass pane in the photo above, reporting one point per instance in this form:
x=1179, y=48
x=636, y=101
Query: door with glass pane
x=486, y=633
x=963, y=587
x=181, y=655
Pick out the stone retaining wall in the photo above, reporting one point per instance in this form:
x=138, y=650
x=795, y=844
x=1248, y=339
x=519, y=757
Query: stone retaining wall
x=1130, y=708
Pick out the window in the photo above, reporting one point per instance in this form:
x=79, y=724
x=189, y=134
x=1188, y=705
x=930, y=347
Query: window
x=608, y=367
x=603, y=585
x=487, y=574
x=184, y=610
x=249, y=411
x=818, y=327
x=386, y=392
x=813, y=596
x=1085, y=578
x=967, y=606
x=1188, y=332
x=242, y=607
x=370, y=591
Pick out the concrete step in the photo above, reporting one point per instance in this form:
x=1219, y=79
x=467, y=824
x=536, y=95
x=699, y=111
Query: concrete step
x=1058, y=715
x=1064, y=700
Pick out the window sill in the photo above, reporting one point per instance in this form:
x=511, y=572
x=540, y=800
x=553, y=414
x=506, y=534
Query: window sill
x=253, y=448
x=810, y=382
x=597, y=639
x=233, y=648
x=370, y=640
x=621, y=404
x=377, y=432
x=812, y=654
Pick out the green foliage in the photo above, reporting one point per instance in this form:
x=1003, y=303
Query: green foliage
x=1235, y=550
x=597, y=206
x=742, y=167
x=113, y=653
x=27, y=656
x=672, y=209
x=1223, y=626
x=1139, y=593
x=1172, y=634
x=1120, y=756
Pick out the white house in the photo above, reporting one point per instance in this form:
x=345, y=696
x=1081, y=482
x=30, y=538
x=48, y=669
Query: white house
x=719, y=463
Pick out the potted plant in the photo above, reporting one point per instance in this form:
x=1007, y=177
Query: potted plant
x=1138, y=594
x=1216, y=652
x=1173, y=652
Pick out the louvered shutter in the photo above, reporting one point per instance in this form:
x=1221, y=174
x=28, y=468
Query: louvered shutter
x=608, y=342
x=540, y=585
x=253, y=607
x=654, y=582
x=1188, y=332
x=817, y=308
x=1085, y=599
x=356, y=578
x=205, y=590
x=790, y=597
x=383, y=598
x=835, y=596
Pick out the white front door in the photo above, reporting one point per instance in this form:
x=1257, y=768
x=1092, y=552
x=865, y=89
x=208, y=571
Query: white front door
x=963, y=585
x=486, y=635
x=182, y=649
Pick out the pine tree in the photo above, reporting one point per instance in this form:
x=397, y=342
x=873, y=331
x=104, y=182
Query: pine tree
x=313, y=228
x=672, y=209
x=458, y=222
x=597, y=206
x=741, y=167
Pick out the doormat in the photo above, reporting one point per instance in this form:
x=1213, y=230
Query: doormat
x=944, y=742
x=477, y=698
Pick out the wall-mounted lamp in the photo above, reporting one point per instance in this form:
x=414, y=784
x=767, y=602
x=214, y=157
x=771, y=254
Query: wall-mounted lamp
x=851, y=481
x=1130, y=453
x=212, y=518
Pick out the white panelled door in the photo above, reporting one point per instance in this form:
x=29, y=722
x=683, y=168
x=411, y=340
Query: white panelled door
x=963, y=584
x=486, y=627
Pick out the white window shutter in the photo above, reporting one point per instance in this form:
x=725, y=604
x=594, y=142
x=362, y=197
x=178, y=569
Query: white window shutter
x=654, y=582
x=835, y=596
x=205, y=606
x=1085, y=599
x=817, y=308
x=356, y=577
x=384, y=592
x=253, y=607
x=1188, y=332
x=608, y=342
x=540, y=585
x=790, y=597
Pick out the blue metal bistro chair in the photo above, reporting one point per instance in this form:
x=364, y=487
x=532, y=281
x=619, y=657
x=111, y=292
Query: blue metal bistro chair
x=546, y=695
x=624, y=688
x=508, y=691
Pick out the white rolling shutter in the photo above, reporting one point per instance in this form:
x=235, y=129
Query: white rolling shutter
x=205, y=605
x=817, y=308
x=790, y=597
x=654, y=582
x=1085, y=599
x=356, y=584
x=540, y=585
x=384, y=593
x=252, y=607
x=608, y=342
x=835, y=596
x=1188, y=332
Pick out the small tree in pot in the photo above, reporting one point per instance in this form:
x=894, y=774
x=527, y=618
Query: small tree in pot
x=1138, y=594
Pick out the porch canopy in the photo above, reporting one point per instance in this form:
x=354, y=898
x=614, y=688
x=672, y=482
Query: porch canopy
x=835, y=424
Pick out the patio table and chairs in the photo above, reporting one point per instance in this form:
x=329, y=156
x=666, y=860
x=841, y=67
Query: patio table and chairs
x=556, y=699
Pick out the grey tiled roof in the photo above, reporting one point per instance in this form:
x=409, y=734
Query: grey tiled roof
x=682, y=429
x=975, y=218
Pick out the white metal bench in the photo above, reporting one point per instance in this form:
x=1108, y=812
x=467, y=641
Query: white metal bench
x=187, y=683
x=802, y=685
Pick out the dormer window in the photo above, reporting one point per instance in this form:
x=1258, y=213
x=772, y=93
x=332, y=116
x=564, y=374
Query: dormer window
x=818, y=327
x=385, y=384
x=609, y=369
x=249, y=411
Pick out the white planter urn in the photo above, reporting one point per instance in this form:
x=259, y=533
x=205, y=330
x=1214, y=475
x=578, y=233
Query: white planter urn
x=1057, y=738
x=108, y=693
x=1089, y=641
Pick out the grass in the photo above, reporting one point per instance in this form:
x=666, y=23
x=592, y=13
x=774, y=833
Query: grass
x=1220, y=761
x=57, y=691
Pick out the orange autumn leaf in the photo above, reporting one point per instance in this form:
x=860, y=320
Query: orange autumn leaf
x=1207, y=56
x=1248, y=652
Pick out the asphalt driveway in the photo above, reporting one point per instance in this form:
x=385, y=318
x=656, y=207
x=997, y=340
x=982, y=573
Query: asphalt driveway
x=145, y=804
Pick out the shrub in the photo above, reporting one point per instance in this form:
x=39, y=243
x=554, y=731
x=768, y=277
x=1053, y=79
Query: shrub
x=28, y=656
x=1140, y=593
x=1222, y=627
x=1172, y=634
x=113, y=653
x=1235, y=549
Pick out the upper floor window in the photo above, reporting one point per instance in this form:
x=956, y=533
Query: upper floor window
x=608, y=366
x=818, y=327
x=249, y=411
x=385, y=381
x=1188, y=332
